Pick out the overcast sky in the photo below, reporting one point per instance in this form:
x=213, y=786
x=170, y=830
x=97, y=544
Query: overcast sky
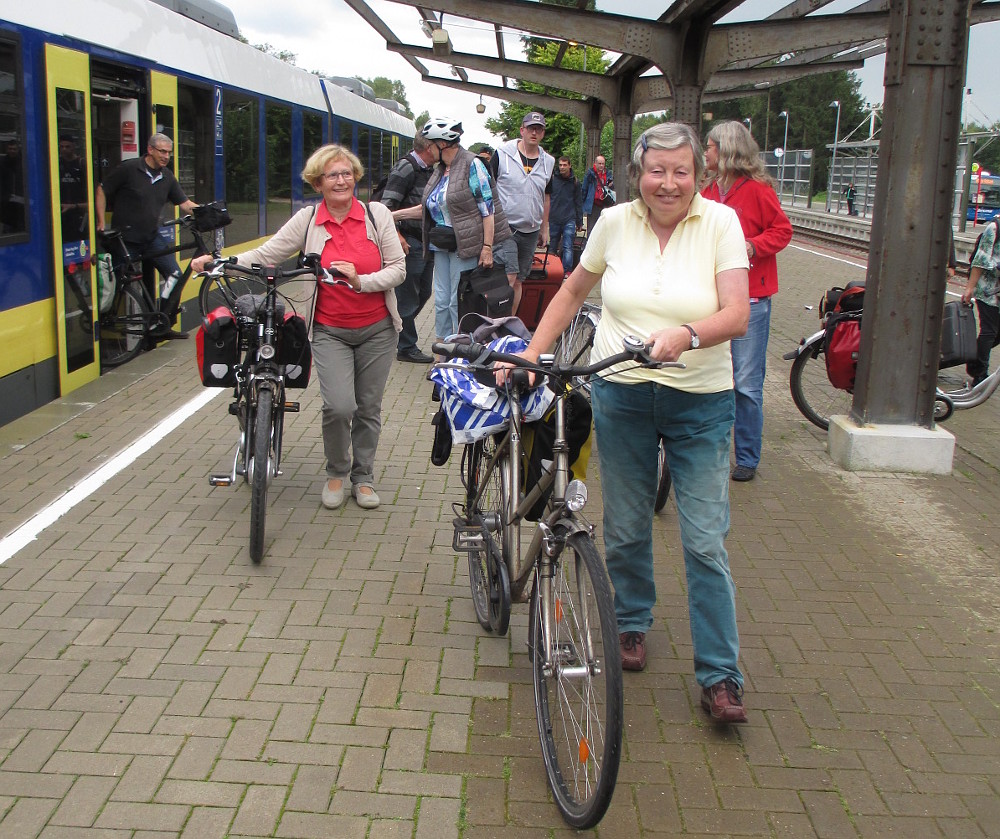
x=329, y=36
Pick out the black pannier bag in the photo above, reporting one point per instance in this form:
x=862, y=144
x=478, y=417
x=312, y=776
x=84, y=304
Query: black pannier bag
x=485, y=291
x=210, y=217
x=217, y=346
x=295, y=352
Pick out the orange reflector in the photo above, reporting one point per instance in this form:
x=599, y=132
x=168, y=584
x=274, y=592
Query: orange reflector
x=584, y=750
x=559, y=615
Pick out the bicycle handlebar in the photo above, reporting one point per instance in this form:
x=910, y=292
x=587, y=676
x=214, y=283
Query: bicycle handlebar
x=481, y=355
x=268, y=273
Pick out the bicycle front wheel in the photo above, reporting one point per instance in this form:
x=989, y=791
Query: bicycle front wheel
x=260, y=473
x=489, y=581
x=223, y=291
x=124, y=327
x=578, y=683
x=574, y=345
x=663, y=479
x=812, y=392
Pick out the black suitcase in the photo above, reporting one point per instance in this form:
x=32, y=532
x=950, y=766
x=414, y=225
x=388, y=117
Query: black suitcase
x=958, y=335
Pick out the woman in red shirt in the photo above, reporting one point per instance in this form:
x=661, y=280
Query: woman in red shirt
x=739, y=180
x=353, y=327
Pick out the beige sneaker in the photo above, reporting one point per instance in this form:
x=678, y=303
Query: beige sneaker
x=333, y=496
x=365, y=495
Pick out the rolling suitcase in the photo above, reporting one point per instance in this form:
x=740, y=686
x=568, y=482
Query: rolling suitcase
x=958, y=335
x=543, y=281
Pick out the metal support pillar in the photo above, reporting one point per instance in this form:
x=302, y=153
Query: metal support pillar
x=901, y=332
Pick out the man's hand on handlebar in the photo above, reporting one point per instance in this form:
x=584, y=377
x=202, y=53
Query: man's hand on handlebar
x=199, y=263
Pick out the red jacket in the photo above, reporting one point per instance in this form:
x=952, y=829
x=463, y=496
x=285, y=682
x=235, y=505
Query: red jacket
x=764, y=224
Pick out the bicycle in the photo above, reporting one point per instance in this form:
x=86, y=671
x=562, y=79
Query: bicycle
x=129, y=323
x=573, y=347
x=573, y=634
x=818, y=399
x=250, y=297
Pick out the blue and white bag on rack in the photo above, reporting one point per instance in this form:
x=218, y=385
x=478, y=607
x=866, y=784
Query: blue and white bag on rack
x=475, y=410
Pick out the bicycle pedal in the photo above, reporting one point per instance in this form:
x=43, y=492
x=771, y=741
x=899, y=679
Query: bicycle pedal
x=220, y=480
x=291, y=407
x=468, y=537
x=234, y=409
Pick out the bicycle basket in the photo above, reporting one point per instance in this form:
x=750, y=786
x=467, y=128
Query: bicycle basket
x=210, y=217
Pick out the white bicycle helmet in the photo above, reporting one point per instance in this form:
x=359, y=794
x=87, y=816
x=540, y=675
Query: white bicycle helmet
x=442, y=128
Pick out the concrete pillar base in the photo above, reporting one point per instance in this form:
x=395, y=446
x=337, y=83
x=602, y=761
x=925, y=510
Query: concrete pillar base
x=890, y=448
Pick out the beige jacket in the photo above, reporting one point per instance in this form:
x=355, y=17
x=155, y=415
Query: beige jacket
x=300, y=233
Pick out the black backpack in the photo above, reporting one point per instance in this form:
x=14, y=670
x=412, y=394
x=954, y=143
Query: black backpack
x=379, y=189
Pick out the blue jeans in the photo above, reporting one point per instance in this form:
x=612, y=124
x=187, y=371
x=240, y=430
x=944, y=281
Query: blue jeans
x=414, y=292
x=749, y=365
x=448, y=268
x=629, y=420
x=561, y=238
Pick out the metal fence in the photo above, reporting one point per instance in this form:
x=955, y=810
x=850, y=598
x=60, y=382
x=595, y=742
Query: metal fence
x=792, y=173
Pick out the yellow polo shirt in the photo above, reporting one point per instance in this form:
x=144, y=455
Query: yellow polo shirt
x=644, y=290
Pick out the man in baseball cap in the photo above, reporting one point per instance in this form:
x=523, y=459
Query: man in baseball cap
x=523, y=170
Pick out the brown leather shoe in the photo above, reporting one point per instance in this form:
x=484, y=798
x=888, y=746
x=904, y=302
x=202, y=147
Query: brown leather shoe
x=723, y=701
x=633, y=647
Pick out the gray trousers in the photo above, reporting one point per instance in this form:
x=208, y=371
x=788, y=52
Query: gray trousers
x=353, y=366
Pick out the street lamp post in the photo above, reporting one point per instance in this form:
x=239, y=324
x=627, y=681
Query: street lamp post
x=784, y=151
x=833, y=163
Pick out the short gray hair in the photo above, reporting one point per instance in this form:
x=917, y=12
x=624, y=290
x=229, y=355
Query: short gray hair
x=669, y=136
x=159, y=139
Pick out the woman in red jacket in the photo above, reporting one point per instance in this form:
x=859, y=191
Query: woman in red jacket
x=739, y=180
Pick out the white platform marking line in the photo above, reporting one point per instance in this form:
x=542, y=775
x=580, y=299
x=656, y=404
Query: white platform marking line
x=29, y=531
x=834, y=258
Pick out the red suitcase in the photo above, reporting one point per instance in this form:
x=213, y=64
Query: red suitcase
x=540, y=286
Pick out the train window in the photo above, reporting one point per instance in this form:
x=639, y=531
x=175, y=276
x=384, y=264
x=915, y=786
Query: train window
x=195, y=143
x=240, y=132
x=346, y=134
x=388, y=155
x=365, y=185
x=278, y=185
x=312, y=134
x=13, y=192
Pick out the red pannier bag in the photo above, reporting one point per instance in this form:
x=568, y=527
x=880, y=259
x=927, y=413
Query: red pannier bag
x=843, y=333
x=217, y=345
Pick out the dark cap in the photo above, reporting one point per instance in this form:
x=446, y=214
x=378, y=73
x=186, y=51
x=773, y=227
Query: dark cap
x=533, y=118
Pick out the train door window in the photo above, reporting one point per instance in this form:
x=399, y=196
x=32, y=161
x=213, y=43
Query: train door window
x=74, y=199
x=194, y=147
x=116, y=94
x=278, y=183
x=240, y=146
x=13, y=189
x=365, y=185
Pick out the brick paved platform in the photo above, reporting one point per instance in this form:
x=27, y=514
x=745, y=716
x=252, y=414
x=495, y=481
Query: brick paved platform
x=156, y=684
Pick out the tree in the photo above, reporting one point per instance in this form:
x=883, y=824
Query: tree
x=386, y=88
x=811, y=119
x=287, y=56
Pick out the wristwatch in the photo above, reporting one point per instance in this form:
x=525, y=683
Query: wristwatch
x=695, y=340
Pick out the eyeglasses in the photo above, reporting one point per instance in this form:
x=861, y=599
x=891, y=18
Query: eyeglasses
x=163, y=151
x=345, y=175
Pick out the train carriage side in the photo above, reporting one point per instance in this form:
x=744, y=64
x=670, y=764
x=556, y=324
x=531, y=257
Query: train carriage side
x=71, y=108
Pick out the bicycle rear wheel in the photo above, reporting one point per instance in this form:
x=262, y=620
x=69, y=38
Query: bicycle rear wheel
x=489, y=580
x=578, y=684
x=812, y=392
x=223, y=291
x=260, y=473
x=124, y=327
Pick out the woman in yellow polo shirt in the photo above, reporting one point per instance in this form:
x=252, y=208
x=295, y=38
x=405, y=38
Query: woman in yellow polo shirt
x=673, y=270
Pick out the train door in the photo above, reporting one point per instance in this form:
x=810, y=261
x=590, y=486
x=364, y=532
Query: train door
x=163, y=94
x=68, y=108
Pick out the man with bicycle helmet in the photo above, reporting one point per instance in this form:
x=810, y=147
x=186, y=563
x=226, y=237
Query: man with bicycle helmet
x=462, y=220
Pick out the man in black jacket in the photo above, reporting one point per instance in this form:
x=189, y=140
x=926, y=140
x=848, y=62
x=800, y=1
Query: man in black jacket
x=403, y=192
x=565, y=212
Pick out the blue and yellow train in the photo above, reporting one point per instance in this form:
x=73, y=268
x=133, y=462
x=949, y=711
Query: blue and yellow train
x=84, y=85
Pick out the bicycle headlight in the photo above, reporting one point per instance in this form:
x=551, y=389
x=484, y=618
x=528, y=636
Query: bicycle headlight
x=267, y=351
x=576, y=495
